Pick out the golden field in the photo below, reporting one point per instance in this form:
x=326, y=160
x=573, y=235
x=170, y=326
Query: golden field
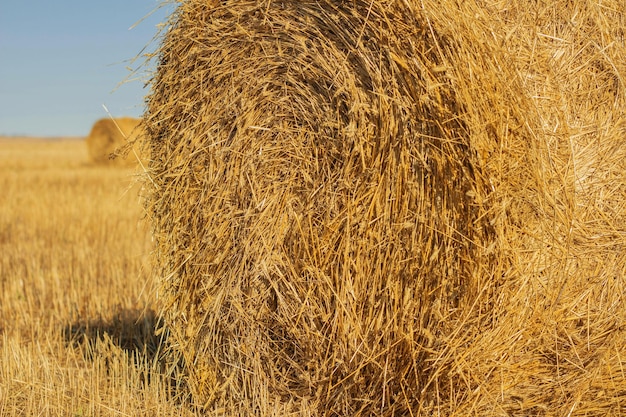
x=77, y=321
x=458, y=249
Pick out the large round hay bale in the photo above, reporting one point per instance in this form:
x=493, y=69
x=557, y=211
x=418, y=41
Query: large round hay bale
x=393, y=208
x=315, y=206
x=110, y=140
x=543, y=89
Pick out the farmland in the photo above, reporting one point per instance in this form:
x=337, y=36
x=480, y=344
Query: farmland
x=418, y=211
x=77, y=300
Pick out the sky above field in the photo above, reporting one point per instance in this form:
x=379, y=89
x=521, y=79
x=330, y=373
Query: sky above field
x=63, y=61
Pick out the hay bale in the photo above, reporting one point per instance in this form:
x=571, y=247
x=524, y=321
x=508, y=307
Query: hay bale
x=315, y=203
x=543, y=89
x=110, y=140
x=393, y=208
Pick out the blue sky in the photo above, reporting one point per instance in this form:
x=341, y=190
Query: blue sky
x=62, y=60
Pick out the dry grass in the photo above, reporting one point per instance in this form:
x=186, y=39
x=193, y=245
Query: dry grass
x=349, y=221
x=312, y=208
x=394, y=208
x=76, y=299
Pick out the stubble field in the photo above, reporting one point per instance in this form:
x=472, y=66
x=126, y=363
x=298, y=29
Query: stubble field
x=538, y=330
x=77, y=300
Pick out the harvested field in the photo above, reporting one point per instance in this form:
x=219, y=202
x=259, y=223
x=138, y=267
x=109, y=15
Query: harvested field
x=358, y=208
x=77, y=303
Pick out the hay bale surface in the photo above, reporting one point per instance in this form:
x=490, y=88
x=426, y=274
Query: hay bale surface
x=544, y=93
x=393, y=208
x=110, y=140
x=312, y=205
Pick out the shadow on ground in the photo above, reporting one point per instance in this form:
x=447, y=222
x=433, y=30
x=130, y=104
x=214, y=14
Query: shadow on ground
x=133, y=330
x=138, y=333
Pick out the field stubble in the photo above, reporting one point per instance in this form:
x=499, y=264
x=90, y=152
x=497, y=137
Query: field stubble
x=77, y=321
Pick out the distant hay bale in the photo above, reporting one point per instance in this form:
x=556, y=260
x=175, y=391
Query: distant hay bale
x=109, y=141
x=392, y=208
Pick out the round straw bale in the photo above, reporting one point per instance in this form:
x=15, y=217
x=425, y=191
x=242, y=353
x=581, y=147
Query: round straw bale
x=108, y=137
x=314, y=202
x=544, y=101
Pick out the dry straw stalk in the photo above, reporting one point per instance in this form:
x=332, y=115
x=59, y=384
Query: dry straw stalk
x=393, y=207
